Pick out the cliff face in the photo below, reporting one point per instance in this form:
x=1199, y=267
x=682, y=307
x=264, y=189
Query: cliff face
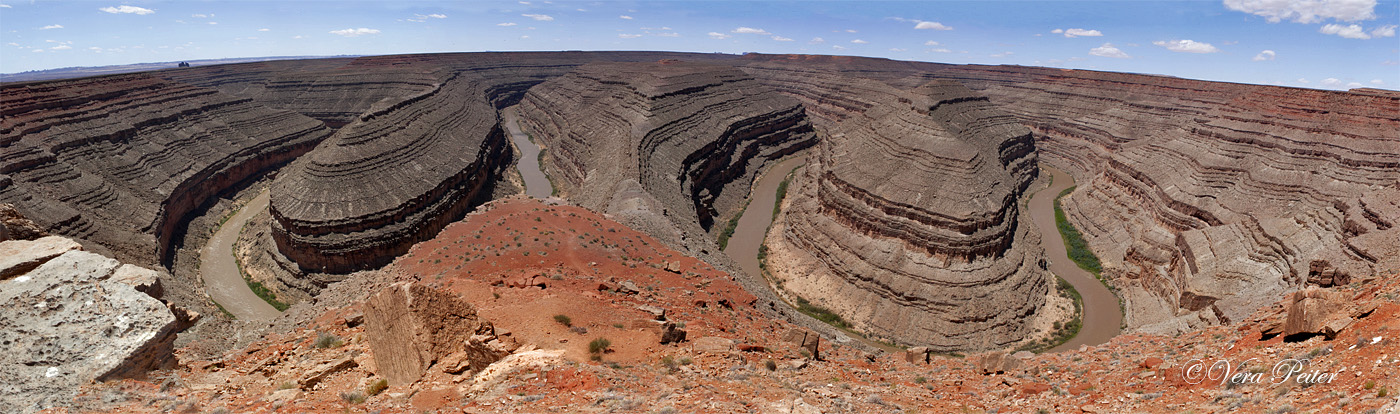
x=397, y=174
x=677, y=140
x=906, y=222
x=120, y=160
x=1204, y=200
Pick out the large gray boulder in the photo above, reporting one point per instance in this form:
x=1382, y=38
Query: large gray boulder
x=69, y=322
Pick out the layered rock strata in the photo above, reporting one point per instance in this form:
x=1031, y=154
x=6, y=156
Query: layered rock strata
x=75, y=318
x=121, y=160
x=664, y=141
x=1204, y=200
x=906, y=221
x=395, y=176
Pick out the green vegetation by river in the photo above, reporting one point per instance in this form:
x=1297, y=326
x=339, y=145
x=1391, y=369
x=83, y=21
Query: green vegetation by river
x=1077, y=247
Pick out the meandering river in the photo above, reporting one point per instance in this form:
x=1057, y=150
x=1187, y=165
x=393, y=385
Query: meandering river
x=222, y=279
x=1102, y=317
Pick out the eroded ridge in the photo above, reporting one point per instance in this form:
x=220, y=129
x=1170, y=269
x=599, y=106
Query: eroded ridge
x=1204, y=200
x=678, y=140
x=396, y=175
x=906, y=222
x=120, y=160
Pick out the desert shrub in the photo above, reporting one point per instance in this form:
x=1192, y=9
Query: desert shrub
x=377, y=387
x=770, y=365
x=563, y=320
x=326, y=340
x=597, y=346
x=355, y=397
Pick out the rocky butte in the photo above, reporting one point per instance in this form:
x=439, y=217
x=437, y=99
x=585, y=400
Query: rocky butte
x=1272, y=210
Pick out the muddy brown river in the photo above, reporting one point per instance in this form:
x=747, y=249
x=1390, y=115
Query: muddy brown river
x=1102, y=317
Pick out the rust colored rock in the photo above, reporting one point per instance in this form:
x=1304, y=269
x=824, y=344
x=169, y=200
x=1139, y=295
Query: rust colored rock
x=1151, y=362
x=805, y=339
x=997, y=362
x=917, y=355
x=1032, y=388
x=712, y=344
x=410, y=327
x=751, y=348
x=668, y=331
x=1317, y=311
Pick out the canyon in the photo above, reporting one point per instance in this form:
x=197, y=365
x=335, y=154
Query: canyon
x=1205, y=202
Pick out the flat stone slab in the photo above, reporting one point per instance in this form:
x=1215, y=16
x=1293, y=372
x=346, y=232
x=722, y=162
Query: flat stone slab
x=20, y=256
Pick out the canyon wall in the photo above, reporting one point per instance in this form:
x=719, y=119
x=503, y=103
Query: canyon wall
x=121, y=160
x=669, y=146
x=1204, y=200
x=397, y=174
x=906, y=221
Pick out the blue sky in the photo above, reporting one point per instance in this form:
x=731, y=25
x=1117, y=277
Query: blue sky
x=1331, y=44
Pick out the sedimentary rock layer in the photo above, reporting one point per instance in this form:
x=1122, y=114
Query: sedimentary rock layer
x=682, y=140
x=120, y=160
x=1204, y=200
x=396, y=175
x=906, y=222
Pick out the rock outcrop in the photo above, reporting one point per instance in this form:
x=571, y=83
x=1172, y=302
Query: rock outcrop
x=13, y=226
x=669, y=146
x=906, y=221
x=410, y=327
x=75, y=318
x=121, y=160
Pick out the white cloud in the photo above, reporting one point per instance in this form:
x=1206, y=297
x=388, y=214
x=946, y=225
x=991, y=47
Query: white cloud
x=540, y=17
x=1002, y=54
x=1264, y=55
x=1352, y=31
x=12, y=44
x=1306, y=11
x=1082, y=33
x=930, y=43
x=750, y=30
x=1057, y=31
x=52, y=26
x=850, y=30
x=838, y=47
x=1384, y=31
x=124, y=9
x=1108, y=50
x=1303, y=81
x=1353, y=84
x=1333, y=82
x=939, y=50
x=5, y=6
x=816, y=40
x=61, y=47
x=1187, y=46
x=264, y=30
x=625, y=17
x=38, y=50
x=859, y=42
x=213, y=22
x=781, y=39
x=629, y=36
x=673, y=34
x=505, y=24
x=932, y=26
x=355, y=32
x=717, y=35
x=895, y=49
x=199, y=16
x=1377, y=82
x=437, y=16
